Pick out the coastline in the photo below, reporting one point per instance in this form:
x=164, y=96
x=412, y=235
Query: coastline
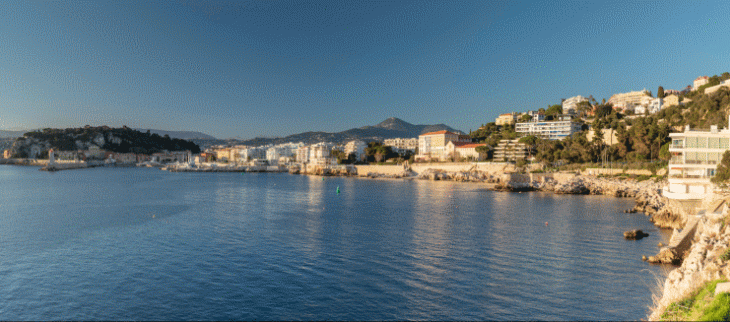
x=699, y=266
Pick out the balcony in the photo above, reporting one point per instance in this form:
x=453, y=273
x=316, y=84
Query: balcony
x=679, y=162
x=676, y=146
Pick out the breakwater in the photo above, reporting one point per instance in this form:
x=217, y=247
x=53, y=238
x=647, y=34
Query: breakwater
x=58, y=165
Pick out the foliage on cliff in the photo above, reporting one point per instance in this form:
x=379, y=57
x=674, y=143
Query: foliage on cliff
x=701, y=305
x=121, y=140
x=722, y=174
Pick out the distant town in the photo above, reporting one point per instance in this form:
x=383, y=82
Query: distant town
x=578, y=130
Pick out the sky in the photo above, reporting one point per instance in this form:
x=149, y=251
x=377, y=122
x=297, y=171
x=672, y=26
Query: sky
x=274, y=68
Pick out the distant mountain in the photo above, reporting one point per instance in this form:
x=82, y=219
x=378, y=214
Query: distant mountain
x=388, y=129
x=11, y=134
x=185, y=135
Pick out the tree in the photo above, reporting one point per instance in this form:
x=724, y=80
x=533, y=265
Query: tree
x=525, y=118
x=722, y=174
x=603, y=110
x=660, y=92
x=556, y=109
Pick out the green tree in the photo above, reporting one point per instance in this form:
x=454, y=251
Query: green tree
x=722, y=174
x=603, y=110
x=660, y=92
x=554, y=110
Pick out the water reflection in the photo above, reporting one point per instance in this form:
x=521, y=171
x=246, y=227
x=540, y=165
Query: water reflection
x=271, y=246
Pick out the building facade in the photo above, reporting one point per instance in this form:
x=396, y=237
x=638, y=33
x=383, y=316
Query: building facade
x=552, y=130
x=695, y=155
x=629, y=101
x=357, y=147
x=402, y=145
x=570, y=105
x=432, y=145
x=464, y=150
x=511, y=151
x=506, y=119
x=699, y=81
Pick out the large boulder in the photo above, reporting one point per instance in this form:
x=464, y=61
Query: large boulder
x=635, y=234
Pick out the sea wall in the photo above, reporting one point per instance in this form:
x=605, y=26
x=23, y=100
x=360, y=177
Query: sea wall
x=615, y=171
x=381, y=170
x=418, y=169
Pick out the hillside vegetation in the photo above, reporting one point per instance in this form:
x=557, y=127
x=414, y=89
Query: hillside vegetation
x=121, y=140
x=641, y=139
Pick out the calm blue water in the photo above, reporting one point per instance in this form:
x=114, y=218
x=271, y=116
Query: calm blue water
x=144, y=244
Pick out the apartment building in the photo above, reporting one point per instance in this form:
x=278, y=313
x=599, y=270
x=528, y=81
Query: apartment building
x=511, y=151
x=506, y=119
x=629, y=101
x=552, y=130
x=432, y=145
x=695, y=155
x=357, y=147
x=401, y=145
x=570, y=105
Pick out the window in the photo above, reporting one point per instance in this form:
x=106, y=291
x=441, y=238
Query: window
x=691, y=142
x=714, y=143
x=702, y=143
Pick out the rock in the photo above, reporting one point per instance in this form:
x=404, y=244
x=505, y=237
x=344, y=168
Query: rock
x=643, y=257
x=660, y=245
x=635, y=234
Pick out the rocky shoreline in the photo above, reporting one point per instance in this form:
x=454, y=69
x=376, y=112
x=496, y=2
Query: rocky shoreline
x=705, y=261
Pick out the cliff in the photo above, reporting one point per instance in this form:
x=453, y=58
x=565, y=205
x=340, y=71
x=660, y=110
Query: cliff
x=706, y=263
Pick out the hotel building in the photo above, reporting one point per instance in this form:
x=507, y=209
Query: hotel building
x=695, y=155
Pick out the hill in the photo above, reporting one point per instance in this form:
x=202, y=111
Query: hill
x=122, y=140
x=11, y=134
x=185, y=135
x=388, y=129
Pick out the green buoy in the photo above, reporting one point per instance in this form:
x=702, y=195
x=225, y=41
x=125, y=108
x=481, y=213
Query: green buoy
x=338, y=189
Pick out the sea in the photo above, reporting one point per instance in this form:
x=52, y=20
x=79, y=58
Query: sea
x=146, y=244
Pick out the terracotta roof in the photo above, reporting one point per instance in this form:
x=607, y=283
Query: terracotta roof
x=438, y=132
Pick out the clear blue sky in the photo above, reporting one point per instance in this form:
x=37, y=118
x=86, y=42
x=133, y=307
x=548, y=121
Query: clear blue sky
x=274, y=68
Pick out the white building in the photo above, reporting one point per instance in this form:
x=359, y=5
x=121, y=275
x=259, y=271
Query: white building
x=319, y=154
x=536, y=116
x=655, y=106
x=699, y=81
x=629, y=101
x=251, y=153
x=431, y=146
x=402, y=145
x=570, y=105
x=464, y=150
x=303, y=154
x=357, y=147
x=695, y=155
x=280, y=152
x=552, y=130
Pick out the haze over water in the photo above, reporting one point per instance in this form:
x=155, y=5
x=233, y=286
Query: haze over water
x=144, y=244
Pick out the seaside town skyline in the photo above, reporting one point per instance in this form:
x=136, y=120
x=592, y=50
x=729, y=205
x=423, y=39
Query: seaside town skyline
x=234, y=73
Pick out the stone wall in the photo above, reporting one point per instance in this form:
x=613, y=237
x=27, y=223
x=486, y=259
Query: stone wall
x=614, y=171
x=388, y=170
